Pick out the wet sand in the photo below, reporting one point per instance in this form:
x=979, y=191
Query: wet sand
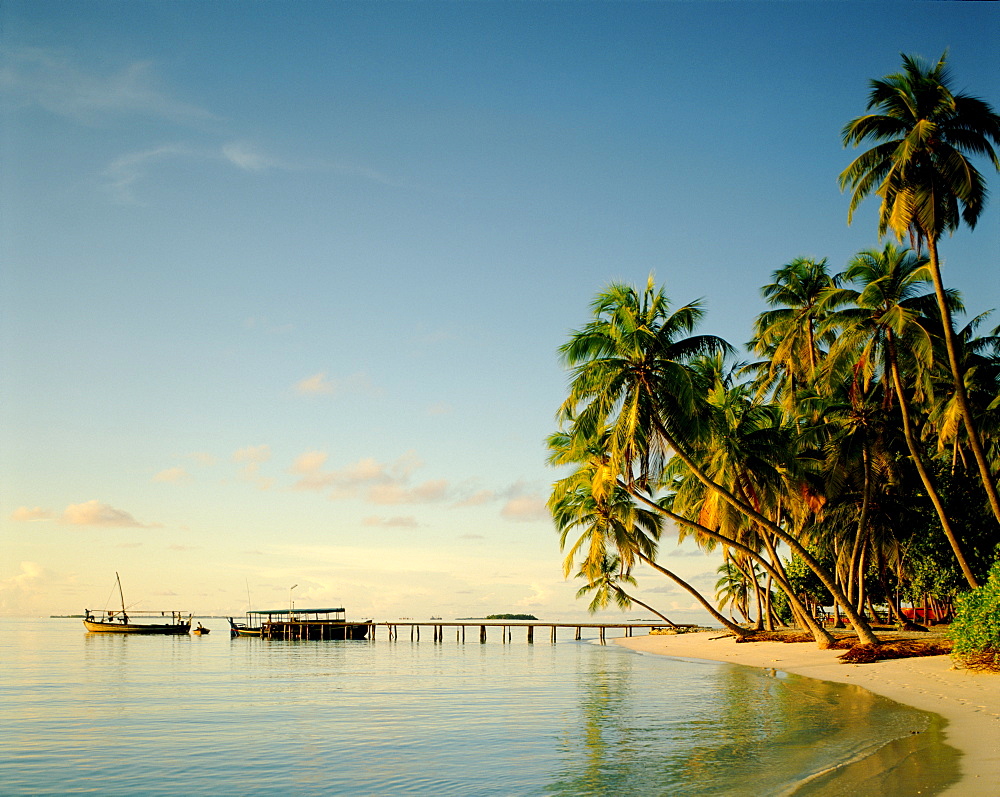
x=969, y=701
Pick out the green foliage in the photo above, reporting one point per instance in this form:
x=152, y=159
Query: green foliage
x=511, y=617
x=975, y=630
x=781, y=606
x=804, y=581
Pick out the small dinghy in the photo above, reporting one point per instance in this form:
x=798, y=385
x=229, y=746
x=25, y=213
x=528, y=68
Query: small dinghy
x=200, y=630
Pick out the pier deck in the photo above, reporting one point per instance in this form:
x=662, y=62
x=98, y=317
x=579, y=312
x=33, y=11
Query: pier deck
x=302, y=628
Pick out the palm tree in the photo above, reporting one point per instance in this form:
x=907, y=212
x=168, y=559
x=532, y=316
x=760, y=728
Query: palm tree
x=879, y=325
x=788, y=335
x=612, y=527
x=920, y=167
x=608, y=587
x=630, y=375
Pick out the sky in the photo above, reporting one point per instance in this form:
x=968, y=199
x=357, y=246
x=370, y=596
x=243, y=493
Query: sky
x=283, y=284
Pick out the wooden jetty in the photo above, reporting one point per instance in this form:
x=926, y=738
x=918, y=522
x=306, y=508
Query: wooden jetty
x=506, y=629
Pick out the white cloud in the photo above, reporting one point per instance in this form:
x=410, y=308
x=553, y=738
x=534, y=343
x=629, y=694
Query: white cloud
x=31, y=579
x=94, y=513
x=25, y=514
x=172, y=475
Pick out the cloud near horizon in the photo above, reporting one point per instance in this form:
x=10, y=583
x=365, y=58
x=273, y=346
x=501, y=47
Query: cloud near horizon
x=404, y=522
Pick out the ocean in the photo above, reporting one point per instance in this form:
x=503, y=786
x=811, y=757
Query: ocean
x=131, y=715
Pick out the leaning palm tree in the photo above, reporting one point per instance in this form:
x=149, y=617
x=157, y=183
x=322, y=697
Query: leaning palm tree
x=630, y=375
x=607, y=587
x=611, y=527
x=920, y=167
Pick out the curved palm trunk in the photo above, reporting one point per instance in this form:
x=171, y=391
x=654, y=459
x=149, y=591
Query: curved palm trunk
x=961, y=396
x=738, y=630
x=925, y=476
x=648, y=608
x=823, y=638
x=748, y=574
x=865, y=633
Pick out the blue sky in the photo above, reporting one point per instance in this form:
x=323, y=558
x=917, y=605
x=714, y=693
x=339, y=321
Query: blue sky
x=283, y=284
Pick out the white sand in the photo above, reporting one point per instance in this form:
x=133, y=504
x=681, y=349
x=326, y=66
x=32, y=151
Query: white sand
x=969, y=701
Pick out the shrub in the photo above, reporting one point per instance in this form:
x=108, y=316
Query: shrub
x=975, y=630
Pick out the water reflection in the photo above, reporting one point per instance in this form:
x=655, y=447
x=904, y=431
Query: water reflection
x=211, y=716
x=750, y=732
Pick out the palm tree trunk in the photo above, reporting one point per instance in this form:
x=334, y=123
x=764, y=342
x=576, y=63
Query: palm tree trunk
x=648, y=608
x=738, y=630
x=862, y=521
x=961, y=396
x=823, y=638
x=865, y=633
x=918, y=461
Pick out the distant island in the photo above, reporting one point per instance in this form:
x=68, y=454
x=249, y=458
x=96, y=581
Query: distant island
x=501, y=617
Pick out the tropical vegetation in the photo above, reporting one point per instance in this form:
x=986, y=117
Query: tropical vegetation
x=851, y=465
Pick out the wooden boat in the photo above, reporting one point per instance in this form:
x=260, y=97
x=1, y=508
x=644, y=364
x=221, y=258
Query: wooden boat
x=299, y=624
x=120, y=622
x=201, y=630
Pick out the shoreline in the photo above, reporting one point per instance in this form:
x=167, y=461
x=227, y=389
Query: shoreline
x=969, y=701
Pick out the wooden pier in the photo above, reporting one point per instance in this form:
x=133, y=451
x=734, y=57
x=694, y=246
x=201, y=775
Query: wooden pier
x=506, y=629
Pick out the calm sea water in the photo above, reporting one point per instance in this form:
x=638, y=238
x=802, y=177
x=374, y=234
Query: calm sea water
x=111, y=714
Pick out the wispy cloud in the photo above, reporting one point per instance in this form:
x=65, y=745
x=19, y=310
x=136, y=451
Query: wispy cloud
x=172, y=475
x=251, y=458
x=248, y=157
x=125, y=171
x=524, y=505
x=379, y=483
x=478, y=498
x=51, y=80
x=425, y=493
x=320, y=384
x=405, y=522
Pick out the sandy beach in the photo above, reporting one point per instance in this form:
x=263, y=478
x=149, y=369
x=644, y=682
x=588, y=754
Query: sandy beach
x=969, y=701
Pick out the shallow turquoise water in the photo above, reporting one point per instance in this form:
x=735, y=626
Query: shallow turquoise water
x=114, y=714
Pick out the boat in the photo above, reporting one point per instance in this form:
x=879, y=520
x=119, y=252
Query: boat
x=299, y=624
x=201, y=630
x=112, y=621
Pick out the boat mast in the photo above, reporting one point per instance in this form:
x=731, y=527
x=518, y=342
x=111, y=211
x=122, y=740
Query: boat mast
x=122, y=595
